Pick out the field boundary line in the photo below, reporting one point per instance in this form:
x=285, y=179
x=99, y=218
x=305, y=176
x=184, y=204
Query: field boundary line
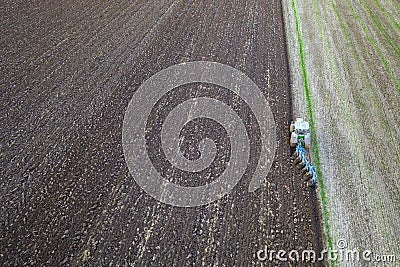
x=315, y=148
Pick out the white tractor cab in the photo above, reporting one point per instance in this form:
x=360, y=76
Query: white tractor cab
x=300, y=132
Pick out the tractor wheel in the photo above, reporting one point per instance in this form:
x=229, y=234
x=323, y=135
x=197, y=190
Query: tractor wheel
x=291, y=142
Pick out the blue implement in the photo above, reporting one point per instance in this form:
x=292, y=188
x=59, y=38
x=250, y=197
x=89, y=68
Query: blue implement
x=313, y=171
x=310, y=169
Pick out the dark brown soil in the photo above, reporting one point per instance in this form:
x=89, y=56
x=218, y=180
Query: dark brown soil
x=69, y=69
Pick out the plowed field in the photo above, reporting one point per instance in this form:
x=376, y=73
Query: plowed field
x=68, y=72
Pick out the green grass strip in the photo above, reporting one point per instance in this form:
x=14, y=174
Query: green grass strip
x=325, y=211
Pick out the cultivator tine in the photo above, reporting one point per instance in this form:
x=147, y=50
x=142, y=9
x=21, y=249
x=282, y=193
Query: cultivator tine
x=313, y=176
x=306, y=168
x=312, y=182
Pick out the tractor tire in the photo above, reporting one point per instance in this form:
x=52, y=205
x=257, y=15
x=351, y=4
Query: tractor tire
x=291, y=143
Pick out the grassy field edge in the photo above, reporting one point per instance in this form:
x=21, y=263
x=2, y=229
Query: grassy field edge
x=315, y=148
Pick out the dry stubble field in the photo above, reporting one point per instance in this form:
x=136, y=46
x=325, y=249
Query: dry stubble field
x=345, y=62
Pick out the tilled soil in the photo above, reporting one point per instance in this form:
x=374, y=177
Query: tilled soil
x=69, y=70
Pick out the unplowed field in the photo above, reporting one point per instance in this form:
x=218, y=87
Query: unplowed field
x=348, y=75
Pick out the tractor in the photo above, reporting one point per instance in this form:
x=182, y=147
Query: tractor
x=300, y=132
x=300, y=138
